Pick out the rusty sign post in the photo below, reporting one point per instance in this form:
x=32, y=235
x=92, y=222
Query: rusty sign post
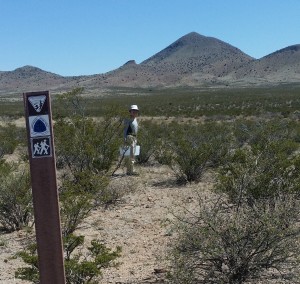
x=44, y=187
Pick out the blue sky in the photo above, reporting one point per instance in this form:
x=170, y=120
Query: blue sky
x=73, y=37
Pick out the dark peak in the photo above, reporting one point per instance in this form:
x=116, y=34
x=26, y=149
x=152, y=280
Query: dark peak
x=31, y=71
x=28, y=68
x=284, y=51
x=193, y=36
x=295, y=47
x=130, y=62
x=197, y=41
x=194, y=46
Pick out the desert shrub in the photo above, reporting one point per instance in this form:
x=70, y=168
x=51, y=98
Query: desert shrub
x=78, y=196
x=223, y=243
x=10, y=137
x=146, y=138
x=70, y=104
x=253, y=173
x=196, y=148
x=30, y=257
x=84, y=268
x=15, y=197
x=252, y=232
x=163, y=153
x=163, y=133
x=81, y=265
x=113, y=193
x=85, y=152
x=84, y=143
x=259, y=132
x=149, y=137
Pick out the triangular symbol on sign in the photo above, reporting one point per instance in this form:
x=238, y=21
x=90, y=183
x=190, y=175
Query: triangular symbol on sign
x=37, y=102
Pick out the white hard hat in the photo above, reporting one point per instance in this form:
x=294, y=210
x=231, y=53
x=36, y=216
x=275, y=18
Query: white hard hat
x=134, y=107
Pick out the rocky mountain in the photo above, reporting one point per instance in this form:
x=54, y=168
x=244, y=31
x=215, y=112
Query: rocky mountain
x=282, y=66
x=192, y=60
x=197, y=55
x=29, y=78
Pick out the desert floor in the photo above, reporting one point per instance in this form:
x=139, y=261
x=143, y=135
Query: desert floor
x=141, y=223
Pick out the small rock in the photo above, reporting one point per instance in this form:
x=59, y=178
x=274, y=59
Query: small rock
x=159, y=270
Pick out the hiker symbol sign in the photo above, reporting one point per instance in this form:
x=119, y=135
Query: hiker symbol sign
x=44, y=187
x=40, y=147
x=39, y=125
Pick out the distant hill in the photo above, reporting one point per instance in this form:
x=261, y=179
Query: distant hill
x=282, y=66
x=199, y=56
x=192, y=60
x=29, y=78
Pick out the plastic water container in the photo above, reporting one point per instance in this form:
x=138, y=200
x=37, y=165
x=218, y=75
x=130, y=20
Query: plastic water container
x=126, y=150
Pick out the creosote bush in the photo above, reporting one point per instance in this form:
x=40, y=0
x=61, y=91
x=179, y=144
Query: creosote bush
x=86, y=150
x=149, y=136
x=264, y=169
x=81, y=265
x=225, y=244
x=30, y=257
x=10, y=137
x=195, y=148
x=15, y=197
x=85, y=267
x=250, y=231
x=78, y=197
x=84, y=144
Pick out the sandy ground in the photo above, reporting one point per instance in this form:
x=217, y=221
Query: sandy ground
x=141, y=223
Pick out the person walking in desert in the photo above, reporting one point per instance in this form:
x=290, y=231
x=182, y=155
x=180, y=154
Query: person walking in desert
x=130, y=138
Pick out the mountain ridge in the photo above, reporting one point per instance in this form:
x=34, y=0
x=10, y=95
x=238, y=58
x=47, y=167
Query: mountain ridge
x=192, y=60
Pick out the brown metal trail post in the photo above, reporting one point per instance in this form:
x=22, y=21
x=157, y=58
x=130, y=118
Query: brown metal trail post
x=44, y=187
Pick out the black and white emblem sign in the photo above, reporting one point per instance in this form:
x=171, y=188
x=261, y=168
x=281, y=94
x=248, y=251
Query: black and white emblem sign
x=40, y=147
x=39, y=125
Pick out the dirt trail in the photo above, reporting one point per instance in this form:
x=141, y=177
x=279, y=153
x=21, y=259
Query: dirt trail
x=139, y=223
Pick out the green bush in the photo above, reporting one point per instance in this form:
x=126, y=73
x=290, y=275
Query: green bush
x=81, y=266
x=85, y=151
x=30, y=257
x=78, y=196
x=253, y=174
x=252, y=232
x=86, y=267
x=149, y=136
x=15, y=197
x=223, y=243
x=195, y=148
x=256, y=133
x=83, y=143
x=146, y=139
x=10, y=137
